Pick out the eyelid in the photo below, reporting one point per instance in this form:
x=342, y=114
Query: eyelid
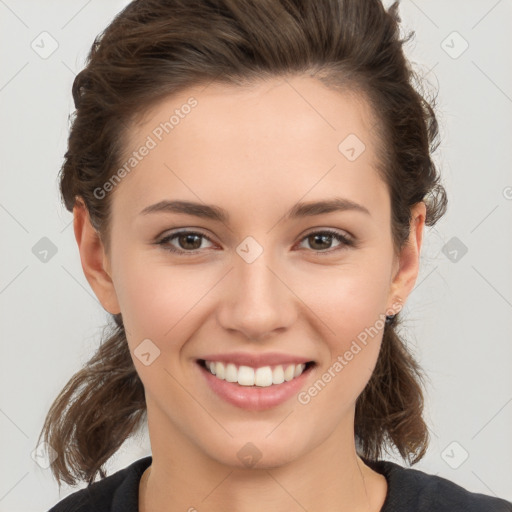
x=168, y=235
x=346, y=239
x=171, y=232
x=332, y=231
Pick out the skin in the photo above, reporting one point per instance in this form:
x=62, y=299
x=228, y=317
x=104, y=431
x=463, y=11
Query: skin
x=254, y=151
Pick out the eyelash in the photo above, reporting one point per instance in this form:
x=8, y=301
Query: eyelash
x=345, y=241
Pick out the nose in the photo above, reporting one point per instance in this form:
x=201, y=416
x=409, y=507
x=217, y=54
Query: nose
x=256, y=300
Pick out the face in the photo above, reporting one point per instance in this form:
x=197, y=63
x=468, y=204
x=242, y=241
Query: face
x=283, y=264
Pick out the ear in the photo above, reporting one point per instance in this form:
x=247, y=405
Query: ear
x=95, y=262
x=409, y=258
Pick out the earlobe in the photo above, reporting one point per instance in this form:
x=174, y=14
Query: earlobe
x=93, y=258
x=409, y=259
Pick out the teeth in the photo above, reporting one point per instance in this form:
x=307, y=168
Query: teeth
x=278, y=375
x=299, y=368
x=231, y=373
x=263, y=377
x=289, y=373
x=220, y=371
x=245, y=376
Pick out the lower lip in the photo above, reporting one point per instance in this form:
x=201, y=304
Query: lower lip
x=255, y=398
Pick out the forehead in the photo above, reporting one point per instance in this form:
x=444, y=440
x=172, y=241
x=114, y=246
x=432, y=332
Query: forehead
x=276, y=140
x=281, y=109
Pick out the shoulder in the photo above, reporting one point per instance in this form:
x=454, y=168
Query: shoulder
x=413, y=490
x=117, y=492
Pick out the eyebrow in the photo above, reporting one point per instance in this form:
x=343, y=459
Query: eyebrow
x=299, y=210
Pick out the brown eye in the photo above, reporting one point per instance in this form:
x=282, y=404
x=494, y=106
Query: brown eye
x=321, y=241
x=189, y=241
x=186, y=242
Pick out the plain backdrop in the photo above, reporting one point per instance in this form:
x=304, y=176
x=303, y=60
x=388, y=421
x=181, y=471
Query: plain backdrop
x=458, y=318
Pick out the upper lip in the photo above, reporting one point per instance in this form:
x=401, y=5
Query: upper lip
x=256, y=360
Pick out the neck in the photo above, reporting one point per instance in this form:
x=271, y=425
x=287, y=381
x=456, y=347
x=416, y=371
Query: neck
x=331, y=477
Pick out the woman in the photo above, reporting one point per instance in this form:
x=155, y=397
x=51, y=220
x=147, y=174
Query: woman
x=250, y=182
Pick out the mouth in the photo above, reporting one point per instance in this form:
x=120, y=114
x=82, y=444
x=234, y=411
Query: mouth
x=263, y=376
x=255, y=388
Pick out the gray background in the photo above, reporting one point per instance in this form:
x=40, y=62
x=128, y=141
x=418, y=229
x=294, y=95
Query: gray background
x=458, y=318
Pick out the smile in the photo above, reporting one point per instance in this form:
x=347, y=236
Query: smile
x=255, y=382
x=263, y=376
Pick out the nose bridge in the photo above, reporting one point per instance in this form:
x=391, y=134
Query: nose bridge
x=256, y=302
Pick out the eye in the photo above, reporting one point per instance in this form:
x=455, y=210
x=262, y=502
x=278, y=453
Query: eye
x=188, y=241
x=321, y=241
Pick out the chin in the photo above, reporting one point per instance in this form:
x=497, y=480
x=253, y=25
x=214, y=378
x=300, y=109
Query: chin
x=259, y=451
x=252, y=456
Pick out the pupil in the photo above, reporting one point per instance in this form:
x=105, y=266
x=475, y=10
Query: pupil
x=186, y=239
x=322, y=237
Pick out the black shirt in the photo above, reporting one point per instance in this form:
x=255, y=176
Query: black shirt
x=409, y=490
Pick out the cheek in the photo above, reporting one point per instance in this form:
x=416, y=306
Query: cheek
x=158, y=302
x=161, y=302
x=348, y=299
x=336, y=304
x=353, y=336
x=351, y=304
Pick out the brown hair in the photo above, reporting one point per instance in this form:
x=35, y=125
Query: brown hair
x=154, y=48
